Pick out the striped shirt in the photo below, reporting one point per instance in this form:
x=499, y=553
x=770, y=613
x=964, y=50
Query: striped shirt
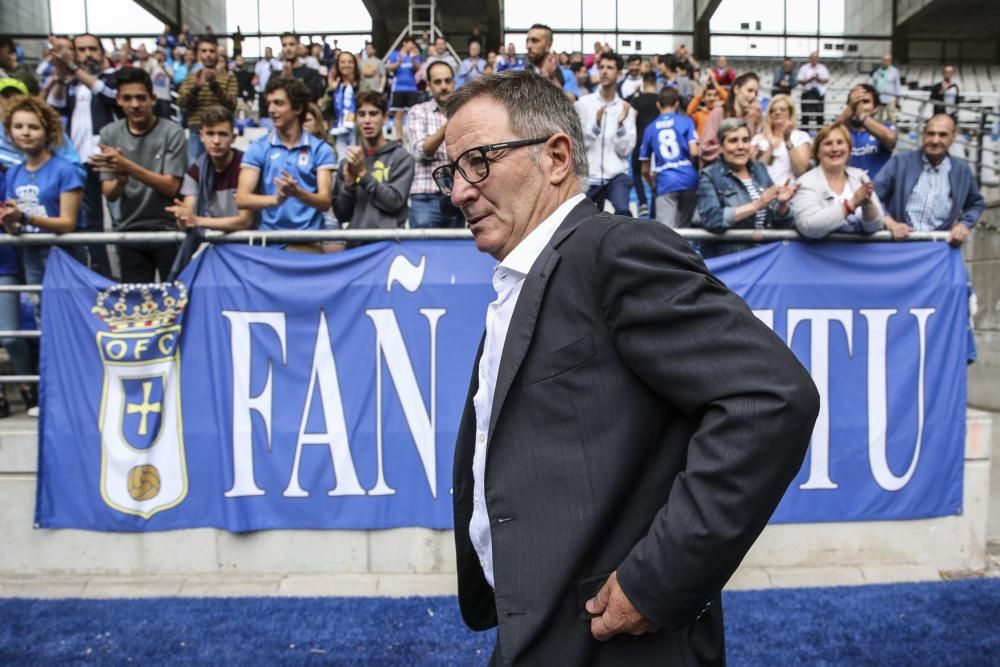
x=760, y=217
x=194, y=102
x=424, y=120
x=929, y=206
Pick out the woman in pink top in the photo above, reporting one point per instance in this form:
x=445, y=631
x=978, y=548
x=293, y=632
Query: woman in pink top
x=741, y=103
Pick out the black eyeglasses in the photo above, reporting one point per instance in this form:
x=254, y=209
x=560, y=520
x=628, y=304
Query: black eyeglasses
x=474, y=164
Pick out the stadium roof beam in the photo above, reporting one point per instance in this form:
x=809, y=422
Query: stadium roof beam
x=701, y=46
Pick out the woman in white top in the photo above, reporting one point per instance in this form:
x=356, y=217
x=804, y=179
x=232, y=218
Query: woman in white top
x=780, y=144
x=833, y=197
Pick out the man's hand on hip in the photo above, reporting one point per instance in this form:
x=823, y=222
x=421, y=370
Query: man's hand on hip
x=615, y=614
x=959, y=232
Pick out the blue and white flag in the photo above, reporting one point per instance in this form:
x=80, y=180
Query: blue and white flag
x=266, y=389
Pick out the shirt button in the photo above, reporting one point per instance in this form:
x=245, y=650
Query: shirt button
x=482, y=438
x=482, y=563
x=475, y=503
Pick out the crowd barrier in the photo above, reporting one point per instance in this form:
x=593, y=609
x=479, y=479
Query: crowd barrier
x=263, y=238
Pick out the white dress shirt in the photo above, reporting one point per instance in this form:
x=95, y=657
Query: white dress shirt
x=508, y=278
x=808, y=71
x=82, y=134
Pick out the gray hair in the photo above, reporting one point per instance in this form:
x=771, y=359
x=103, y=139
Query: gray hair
x=535, y=106
x=731, y=125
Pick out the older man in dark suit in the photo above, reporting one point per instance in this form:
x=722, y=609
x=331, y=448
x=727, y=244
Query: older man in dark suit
x=630, y=427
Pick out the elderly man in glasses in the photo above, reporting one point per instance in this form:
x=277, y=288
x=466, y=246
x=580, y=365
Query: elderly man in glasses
x=630, y=425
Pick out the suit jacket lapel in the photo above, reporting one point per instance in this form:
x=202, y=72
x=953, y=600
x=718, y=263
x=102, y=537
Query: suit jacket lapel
x=522, y=323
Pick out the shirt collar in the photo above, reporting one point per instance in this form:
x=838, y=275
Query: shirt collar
x=523, y=256
x=942, y=168
x=275, y=140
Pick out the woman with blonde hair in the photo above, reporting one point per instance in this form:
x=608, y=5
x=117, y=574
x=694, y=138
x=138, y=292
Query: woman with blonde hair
x=833, y=197
x=780, y=145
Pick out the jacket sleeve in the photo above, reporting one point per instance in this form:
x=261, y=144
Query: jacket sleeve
x=344, y=198
x=390, y=196
x=751, y=403
x=625, y=135
x=815, y=216
x=885, y=184
x=974, y=204
x=714, y=216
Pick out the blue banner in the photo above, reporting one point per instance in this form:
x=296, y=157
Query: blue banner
x=268, y=389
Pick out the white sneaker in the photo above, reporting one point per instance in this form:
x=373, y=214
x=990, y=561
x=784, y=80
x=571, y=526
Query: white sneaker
x=33, y=412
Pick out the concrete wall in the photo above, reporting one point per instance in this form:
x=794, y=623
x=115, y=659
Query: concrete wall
x=864, y=17
x=373, y=559
x=982, y=254
x=24, y=17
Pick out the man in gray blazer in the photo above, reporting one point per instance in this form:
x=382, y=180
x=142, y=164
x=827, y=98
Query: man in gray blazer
x=630, y=427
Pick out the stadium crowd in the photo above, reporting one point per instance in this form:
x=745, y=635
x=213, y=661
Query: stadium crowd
x=357, y=140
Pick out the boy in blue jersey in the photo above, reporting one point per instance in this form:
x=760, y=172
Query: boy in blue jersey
x=287, y=174
x=404, y=65
x=872, y=140
x=669, y=146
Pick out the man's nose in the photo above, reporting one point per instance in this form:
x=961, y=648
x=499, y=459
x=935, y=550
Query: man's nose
x=462, y=192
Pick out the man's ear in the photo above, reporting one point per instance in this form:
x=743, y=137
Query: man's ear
x=557, y=158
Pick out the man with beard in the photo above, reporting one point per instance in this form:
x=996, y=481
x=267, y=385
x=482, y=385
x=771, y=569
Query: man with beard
x=632, y=83
x=425, y=127
x=374, y=179
x=84, y=92
x=208, y=87
x=295, y=66
x=539, y=43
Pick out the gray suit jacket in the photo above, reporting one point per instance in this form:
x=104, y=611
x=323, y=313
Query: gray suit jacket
x=644, y=421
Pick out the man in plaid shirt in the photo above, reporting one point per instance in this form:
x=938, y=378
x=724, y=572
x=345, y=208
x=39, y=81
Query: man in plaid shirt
x=425, y=125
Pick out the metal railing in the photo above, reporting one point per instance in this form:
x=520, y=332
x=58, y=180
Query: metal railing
x=978, y=135
x=263, y=238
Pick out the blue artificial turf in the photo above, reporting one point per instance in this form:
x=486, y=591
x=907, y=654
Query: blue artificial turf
x=954, y=623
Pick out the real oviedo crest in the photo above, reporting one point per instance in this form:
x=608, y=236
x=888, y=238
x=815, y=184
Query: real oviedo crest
x=143, y=470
